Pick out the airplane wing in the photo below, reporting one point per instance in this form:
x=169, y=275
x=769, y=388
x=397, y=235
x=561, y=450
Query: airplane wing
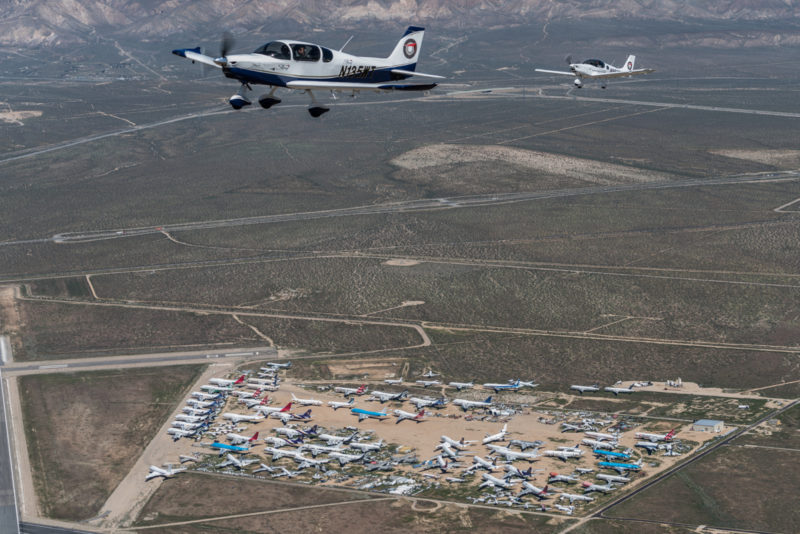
x=620, y=74
x=195, y=55
x=347, y=86
x=556, y=72
x=413, y=73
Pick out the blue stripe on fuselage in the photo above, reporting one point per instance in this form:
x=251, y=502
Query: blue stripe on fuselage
x=382, y=75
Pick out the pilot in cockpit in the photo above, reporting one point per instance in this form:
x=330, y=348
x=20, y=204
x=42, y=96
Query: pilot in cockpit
x=300, y=52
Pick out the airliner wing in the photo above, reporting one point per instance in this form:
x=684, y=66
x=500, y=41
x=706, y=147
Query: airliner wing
x=195, y=55
x=347, y=86
x=556, y=72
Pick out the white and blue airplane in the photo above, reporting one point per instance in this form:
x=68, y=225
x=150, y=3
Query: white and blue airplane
x=308, y=67
x=597, y=69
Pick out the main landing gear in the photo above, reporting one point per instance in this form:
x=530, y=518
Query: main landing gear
x=316, y=109
x=238, y=101
x=269, y=100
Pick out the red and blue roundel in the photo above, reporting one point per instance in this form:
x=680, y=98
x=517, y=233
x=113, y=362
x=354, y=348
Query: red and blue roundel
x=410, y=48
x=630, y=65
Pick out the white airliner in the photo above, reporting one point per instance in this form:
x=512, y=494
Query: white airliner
x=351, y=391
x=308, y=462
x=183, y=425
x=331, y=439
x=649, y=446
x=555, y=477
x=460, y=444
x=512, y=471
x=423, y=402
x=394, y=381
x=448, y=451
x=513, y=456
x=613, y=478
x=177, y=433
x=588, y=487
x=468, y=404
x=481, y=463
x=530, y=489
x=426, y=383
x=597, y=69
x=235, y=462
x=562, y=455
x=336, y=404
x=596, y=444
x=247, y=394
x=266, y=410
x=271, y=365
x=320, y=449
x=191, y=418
x=346, y=458
x=200, y=404
x=489, y=480
x=566, y=509
x=583, y=389
x=402, y=415
x=601, y=436
x=236, y=439
x=366, y=446
x=281, y=442
x=461, y=385
x=169, y=472
x=292, y=433
x=306, y=402
x=656, y=437
x=309, y=67
x=238, y=418
x=195, y=412
x=429, y=373
x=184, y=458
x=496, y=437
x=383, y=396
x=201, y=395
x=575, y=497
x=226, y=382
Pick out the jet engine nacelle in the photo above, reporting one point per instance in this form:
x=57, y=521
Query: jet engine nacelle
x=578, y=83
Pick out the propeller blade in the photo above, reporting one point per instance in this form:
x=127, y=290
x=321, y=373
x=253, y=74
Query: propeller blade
x=568, y=59
x=227, y=44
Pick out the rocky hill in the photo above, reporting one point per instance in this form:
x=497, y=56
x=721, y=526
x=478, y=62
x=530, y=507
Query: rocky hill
x=54, y=23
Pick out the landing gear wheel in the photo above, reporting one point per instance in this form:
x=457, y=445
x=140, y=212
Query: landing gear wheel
x=268, y=101
x=317, y=111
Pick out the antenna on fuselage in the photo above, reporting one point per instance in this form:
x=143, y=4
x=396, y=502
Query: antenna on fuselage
x=346, y=43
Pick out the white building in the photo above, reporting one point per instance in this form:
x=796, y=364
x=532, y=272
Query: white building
x=708, y=425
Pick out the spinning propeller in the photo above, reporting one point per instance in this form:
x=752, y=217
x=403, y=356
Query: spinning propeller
x=225, y=46
x=568, y=59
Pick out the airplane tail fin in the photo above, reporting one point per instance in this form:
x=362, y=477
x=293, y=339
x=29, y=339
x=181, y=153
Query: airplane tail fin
x=307, y=414
x=488, y=399
x=255, y=437
x=406, y=51
x=239, y=380
x=629, y=63
x=287, y=407
x=669, y=436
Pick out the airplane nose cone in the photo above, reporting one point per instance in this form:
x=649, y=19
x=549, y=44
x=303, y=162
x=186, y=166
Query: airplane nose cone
x=221, y=61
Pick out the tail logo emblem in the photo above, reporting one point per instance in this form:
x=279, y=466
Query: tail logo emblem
x=410, y=48
x=630, y=65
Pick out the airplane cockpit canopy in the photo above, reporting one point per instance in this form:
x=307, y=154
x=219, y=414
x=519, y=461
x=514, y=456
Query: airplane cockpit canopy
x=275, y=49
x=595, y=63
x=293, y=50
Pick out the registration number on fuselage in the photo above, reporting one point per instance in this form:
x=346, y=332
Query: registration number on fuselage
x=356, y=71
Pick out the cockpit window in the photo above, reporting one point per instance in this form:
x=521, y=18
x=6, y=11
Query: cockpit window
x=304, y=52
x=595, y=63
x=327, y=55
x=274, y=49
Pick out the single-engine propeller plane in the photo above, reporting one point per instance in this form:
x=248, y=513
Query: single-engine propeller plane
x=308, y=67
x=597, y=69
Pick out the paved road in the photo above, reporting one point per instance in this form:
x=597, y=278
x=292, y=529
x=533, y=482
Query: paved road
x=8, y=500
